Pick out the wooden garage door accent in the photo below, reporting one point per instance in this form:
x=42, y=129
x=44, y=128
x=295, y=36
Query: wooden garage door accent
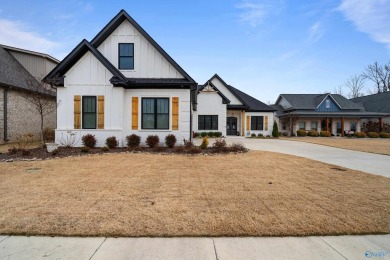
x=248, y=121
x=77, y=112
x=175, y=113
x=134, y=113
x=100, y=112
x=266, y=123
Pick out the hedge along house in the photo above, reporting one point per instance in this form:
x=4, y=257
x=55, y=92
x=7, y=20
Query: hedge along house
x=120, y=83
x=321, y=112
x=223, y=108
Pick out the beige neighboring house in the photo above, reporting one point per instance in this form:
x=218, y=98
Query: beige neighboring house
x=19, y=70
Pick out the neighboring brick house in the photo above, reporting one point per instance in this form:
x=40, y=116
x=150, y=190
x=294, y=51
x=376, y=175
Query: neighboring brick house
x=19, y=70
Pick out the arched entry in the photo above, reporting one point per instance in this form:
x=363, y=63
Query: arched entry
x=231, y=125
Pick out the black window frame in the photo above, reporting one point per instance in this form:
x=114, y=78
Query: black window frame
x=255, y=126
x=155, y=113
x=83, y=113
x=123, y=56
x=202, y=118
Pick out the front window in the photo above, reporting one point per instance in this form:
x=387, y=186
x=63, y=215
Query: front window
x=257, y=123
x=155, y=113
x=126, y=56
x=313, y=126
x=353, y=126
x=284, y=126
x=207, y=122
x=89, y=112
x=301, y=125
x=327, y=103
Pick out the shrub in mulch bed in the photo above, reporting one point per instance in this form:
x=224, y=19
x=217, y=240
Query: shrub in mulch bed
x=373, y=135
x=384, y=135
x=301, y=133
x=360, y=135
x=152, y=140
x=89, y=140
x=111, y=142
x=61, y=152
x=133, y=140
x=325, y=134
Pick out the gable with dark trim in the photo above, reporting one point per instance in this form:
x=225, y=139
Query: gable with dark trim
x=75, y=55
x=225, y=100
x=250, y=104
x=117, y=20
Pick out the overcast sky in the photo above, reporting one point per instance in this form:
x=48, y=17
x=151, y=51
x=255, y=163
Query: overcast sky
x=263, y=47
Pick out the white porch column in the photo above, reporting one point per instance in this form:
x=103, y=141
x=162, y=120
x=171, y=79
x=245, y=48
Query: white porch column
x=358, y=125
x=319, y=125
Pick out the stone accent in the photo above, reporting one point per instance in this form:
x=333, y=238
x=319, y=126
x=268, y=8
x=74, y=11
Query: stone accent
x=22, y=119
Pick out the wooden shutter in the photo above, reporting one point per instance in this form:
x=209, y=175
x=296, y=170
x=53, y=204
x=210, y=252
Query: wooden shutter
x=77, y=112
x=134, y=113
x=175, y=113
x=248, y=118
x=100, y=112
x=266, y=123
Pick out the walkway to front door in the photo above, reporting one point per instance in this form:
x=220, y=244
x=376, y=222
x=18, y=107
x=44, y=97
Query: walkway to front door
x=231, y=126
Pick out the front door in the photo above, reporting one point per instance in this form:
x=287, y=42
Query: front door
x=231, y=126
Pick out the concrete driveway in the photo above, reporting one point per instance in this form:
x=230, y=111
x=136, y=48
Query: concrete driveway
x=361, y=161
x=332, y=247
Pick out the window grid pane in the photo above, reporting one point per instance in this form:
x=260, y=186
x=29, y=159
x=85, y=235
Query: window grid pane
x=155, y=113
x=126, y=56
x=89, y=112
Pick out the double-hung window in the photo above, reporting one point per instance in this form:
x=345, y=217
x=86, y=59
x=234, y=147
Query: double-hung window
x=313, y=126
x=89, y=112
x=155, y=113
x=126, y=56
x=257, y=123
x=301, y=125
x=208, y=122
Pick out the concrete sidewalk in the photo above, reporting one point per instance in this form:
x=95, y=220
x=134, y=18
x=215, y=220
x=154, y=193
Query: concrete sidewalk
x=361, y=161
x=330, y=247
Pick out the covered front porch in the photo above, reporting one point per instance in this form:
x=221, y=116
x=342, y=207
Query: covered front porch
x=235, y=122
x=337, y=126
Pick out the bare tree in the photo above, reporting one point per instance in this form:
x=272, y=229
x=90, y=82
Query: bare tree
x=290, y=120
x=380, y=75
x=355, y=84
x=40, y=97
x=338, y=90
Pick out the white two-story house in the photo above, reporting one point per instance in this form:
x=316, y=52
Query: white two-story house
x=122, y=83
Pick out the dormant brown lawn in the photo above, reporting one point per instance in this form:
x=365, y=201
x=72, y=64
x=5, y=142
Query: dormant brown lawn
x=250, y=194
x=371, y=145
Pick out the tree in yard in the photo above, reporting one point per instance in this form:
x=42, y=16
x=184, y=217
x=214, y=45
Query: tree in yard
x=275, y=130
x=355, y=85
x=40, y=98
x=290, y=120
x=380, y=75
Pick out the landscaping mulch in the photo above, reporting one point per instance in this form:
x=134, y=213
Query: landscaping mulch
x=42, y=154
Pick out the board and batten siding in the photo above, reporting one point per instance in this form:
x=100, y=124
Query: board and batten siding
x=148, y=62
x=210, y=103
x=183, y=126
x=226, y=92
x=268, y=121
x=88, y=77
x=37, y=66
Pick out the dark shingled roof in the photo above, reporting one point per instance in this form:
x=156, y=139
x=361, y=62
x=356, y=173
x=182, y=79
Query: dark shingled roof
x=252, y=103
x=12, y=73
x=375, y=103
x=312, y=101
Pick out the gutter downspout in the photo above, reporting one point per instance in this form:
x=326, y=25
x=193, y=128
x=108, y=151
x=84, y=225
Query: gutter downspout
x=5, y=114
